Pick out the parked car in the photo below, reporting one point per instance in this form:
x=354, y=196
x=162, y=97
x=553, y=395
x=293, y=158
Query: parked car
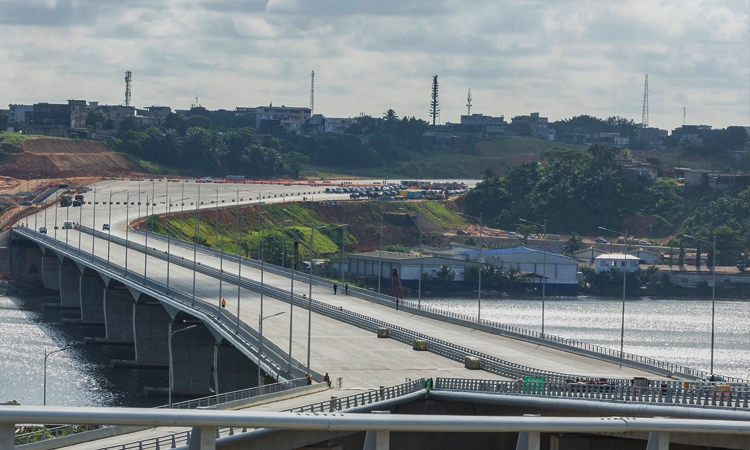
x=354, y=195
x=644, y=243
x=494, y=234
x=600, y=241
x=105, y=227
x=512, y=234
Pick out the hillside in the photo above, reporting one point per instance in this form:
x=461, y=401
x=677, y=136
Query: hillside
x=500, y=153
x=54, y=158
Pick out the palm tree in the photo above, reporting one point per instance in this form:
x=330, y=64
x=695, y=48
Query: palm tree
x=513, y=279
x=444, y=276
x=573, y=243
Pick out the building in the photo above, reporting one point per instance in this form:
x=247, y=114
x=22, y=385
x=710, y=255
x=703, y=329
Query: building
x=57, y=119
x=647, y=257
x=443, y=139
x=690, y=276
x=159, y=112
x=539, y=125
x=293, y=119
x=117, y=113
x=616, y=261
x=17, y=113
x=338, y=125
x=479, y=123
x=588, y=255
x=696, y=134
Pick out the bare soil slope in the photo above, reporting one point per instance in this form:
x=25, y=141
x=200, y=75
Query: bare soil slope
x=64, y=158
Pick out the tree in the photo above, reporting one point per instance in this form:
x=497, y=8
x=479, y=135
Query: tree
x=4, y=120
x=573, y=243
x=127, y=124
x=435, y=102
x=198, y=121
x=512, y=278
x=444, y=277
x=95, y=119
x=390, y=116
x=73, y=135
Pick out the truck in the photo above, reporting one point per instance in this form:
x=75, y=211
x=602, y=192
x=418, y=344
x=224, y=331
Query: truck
x=78, y=200
x=65, y=201
x=67, y=225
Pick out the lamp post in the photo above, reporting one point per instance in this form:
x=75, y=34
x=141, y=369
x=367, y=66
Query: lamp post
x=47, y=354
x=127, y=225
x=624, y=279
x=109, y=227
x=260, y=345
x=195, y=237
x=343, y=245
x=419, y=285
x=309, y=295
x=479, y=295
x=145, y=254
x=380, y=253
x=169, y=344
x=93, y=228
x=713, y=297
x=544, y=267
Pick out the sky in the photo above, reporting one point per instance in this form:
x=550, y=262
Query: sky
x=560, y=58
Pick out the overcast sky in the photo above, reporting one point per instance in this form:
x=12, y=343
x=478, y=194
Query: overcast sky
x=557, y=57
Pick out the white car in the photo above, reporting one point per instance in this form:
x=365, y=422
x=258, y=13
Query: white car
x=512, y=234
x=644, y=243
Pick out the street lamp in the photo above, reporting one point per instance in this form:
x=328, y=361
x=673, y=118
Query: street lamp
x=127, y=225
x=109, y=228
x=171, y=372
x=419, y=286
x=544, y=267
x=47, y=354
x=380, y=253
x=260, y=345
x=624, y=279
x=713, y=297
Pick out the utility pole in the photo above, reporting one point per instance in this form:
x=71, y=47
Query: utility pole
x=435, y=102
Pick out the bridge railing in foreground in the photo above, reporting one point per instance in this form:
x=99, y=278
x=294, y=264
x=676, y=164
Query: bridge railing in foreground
x=338, y=404
x=537, y=337
x=672, y=393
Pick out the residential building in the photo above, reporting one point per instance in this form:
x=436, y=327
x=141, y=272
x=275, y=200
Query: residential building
x=17, y=113
x=159, y=112
x=539, y=125
x=479, y=123
x=618, y=261
x=647, y=257
x=57, y=119
x=338, y=125
x=696, y=134
x=293, y=119
x=588, y=254
x=690, y=276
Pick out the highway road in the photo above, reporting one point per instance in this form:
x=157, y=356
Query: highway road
x=343, y=350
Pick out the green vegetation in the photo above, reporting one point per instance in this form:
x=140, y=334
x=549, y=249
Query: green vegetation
x=579, y=192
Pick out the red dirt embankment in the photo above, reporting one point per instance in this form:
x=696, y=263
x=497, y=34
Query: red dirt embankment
x=55, y=158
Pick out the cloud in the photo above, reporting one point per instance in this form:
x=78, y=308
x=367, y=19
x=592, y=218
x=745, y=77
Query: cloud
x=558, y=57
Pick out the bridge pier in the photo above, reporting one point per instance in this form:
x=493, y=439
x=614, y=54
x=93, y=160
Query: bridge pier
x=23, y=258
x=192, y=360
x=233, y=370
x=118, y=315
x=51, y=272
x=151, y=333
x=70, y=284
x=92, y=298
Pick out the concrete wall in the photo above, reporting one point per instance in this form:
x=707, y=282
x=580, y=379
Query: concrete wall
x=192, y=359
x=118, y=315
x=151, y=333
x=70, y=285
x=23, y=258
x=92, y=298
x=51, y=272
x=234, y=370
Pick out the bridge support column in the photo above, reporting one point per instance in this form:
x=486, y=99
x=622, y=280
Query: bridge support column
x=7, y=436
x=202, y=438
x=69, y=286
x=658, y=441
x=192, y=360
x=92, y=299
x=233, y=370
x=151, y=333
x=51, y=272
x=118, y=315
x=25, y=259
x=378, y=440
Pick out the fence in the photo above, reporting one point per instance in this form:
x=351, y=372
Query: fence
x=659, y=393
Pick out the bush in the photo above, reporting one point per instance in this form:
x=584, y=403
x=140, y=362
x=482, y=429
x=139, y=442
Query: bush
x=73, y=135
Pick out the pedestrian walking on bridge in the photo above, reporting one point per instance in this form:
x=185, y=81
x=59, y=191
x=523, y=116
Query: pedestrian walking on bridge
x=346, y=289
x=335, y=288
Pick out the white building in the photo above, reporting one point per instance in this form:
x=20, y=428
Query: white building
x=647, y=257
x=618, y=261
x=338, y=125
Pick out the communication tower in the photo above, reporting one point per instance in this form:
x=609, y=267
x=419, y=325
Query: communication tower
x=312, y=93
x=468, y=103
x=644, y=120
x=684, y=114
x=128, y=79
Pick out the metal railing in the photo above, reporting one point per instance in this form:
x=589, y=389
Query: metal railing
x=339, y=404
x=243, y=394
x=592, y=350
x=660, y=393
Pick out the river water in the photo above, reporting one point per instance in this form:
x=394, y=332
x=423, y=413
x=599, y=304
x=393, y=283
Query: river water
x=677, y=331
x=79, y=376
x=672, y=330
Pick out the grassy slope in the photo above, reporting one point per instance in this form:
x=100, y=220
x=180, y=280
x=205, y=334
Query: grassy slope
x=16, y=138
x=362, y=233
x=498, y=152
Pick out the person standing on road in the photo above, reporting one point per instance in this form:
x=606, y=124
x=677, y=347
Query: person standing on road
x=335, y=288
x=346, y=289
x=327, y=379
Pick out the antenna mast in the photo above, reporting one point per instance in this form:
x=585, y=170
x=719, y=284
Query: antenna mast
x=128, y=79
x=684, y=114
x=468, y=103
x=644, y=120
x=312, y=93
